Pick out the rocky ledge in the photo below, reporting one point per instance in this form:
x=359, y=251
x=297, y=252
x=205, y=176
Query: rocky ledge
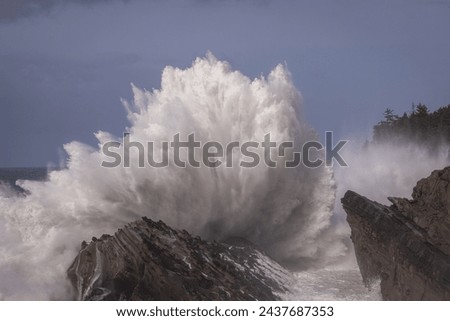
x=148, y=260
x=405, y=245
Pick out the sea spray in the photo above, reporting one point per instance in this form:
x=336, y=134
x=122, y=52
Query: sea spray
x=379, y=170
x=284, y=211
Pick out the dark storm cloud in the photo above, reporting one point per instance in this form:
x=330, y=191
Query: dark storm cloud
x=15, y=9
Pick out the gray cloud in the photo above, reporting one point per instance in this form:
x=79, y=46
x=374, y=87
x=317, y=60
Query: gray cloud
x=15, y=9
x=11, y=10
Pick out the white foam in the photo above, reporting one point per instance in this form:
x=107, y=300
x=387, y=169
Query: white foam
x=284, y=211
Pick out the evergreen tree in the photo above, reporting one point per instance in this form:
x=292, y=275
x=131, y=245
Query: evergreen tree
x=423, y=127
x=421, y=110
x=389, y=116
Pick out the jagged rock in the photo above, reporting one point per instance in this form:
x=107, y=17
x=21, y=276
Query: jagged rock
x=406, y=245
x=430, y=207
x=148, y=260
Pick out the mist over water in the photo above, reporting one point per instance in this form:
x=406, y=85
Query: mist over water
x=380, y=170
x=287, y=212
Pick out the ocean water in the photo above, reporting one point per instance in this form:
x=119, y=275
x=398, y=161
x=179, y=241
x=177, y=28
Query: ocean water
x=10, y=176
x=318, y=284
x=293, y=214
x=331, y=284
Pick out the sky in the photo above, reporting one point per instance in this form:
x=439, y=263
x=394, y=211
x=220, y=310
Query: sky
x=65, y=65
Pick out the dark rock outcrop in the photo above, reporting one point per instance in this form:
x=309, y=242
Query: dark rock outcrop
x=148, y=260
x=406, y=245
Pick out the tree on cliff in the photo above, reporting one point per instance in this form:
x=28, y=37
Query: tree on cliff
x=421, y=126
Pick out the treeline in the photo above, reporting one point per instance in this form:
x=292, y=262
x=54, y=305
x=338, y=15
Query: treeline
x=419, y=126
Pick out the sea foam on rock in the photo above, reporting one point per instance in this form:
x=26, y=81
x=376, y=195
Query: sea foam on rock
x=148, y=260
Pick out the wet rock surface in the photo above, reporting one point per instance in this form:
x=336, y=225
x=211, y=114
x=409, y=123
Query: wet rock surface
x=148, y=260
x=405, y=245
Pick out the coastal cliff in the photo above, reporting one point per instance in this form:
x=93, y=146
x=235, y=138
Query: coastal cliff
x=405, y=246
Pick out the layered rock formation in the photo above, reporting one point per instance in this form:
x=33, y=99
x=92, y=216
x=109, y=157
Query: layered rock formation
x=148, y=260
x=406, y=245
